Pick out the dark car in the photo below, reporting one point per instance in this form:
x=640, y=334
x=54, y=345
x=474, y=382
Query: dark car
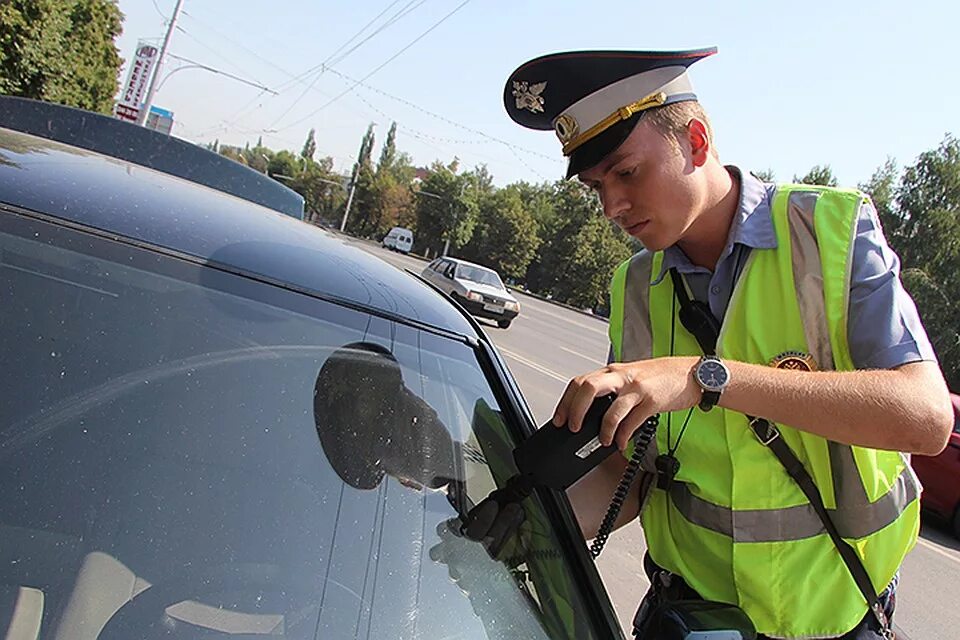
x=220, y=422
x=940, y=476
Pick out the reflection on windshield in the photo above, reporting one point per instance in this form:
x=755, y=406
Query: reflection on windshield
x=476, y=274
x=175, y=459
x=383, y=429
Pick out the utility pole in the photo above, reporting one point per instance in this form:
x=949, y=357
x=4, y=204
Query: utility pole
x=145, y=107
x=346, y=210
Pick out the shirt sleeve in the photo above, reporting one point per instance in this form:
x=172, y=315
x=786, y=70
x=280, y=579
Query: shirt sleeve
x=884, y=328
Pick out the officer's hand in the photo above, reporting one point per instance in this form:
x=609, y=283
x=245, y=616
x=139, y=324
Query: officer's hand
x=494, y=523
x=643, y=388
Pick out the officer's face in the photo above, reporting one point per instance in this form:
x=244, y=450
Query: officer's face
x=649, y=187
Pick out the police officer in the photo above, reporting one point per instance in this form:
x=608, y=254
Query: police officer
x=761, y=321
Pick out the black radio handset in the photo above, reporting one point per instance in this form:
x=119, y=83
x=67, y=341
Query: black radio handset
x=557, y=457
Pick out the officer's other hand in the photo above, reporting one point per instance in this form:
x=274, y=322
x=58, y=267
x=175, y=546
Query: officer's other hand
x=643, y=388
x=491, y=586
x=493, y=524
x=468, y=561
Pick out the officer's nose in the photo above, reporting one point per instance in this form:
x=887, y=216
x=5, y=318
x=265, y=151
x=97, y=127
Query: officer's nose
x=614, y=207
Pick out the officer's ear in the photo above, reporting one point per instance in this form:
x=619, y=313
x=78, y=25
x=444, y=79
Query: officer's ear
x=698, y=138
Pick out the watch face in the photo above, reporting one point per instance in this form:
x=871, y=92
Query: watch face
x=712, y=375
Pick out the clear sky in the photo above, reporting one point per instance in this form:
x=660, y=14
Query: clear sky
x=845, y=83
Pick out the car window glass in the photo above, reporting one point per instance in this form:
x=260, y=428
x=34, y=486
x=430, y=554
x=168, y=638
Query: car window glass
x=177, y=453
x=477, y=274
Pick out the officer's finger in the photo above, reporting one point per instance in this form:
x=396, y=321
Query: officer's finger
x=438, y=553
x=560, y=413
x=593, y=386
x=508, y=521
x=629, y=425
x=480, y=519
x=616, y=414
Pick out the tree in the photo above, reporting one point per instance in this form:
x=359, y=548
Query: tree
x=921, y=218
x=364, y=196
x=505, y=238
x=446, y=211
x=310, y=146
x=818, y=175
x=766, y=175
x=882, y=187
x=61, y=51
x=323, y=191
x=581, y=249
x=283, y=164
x=389, y=153
x=234, y=153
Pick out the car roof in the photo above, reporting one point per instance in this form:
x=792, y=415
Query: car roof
x=148, y=148
x=125, y=199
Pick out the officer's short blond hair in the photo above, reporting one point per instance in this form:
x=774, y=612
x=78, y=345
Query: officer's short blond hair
x=673, y=119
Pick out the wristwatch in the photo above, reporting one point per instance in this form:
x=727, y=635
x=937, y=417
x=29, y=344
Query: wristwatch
x=713, y=377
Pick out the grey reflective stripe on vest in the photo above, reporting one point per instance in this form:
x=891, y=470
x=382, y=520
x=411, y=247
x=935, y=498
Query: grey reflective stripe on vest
x=637, y=339
x=808, y=275
x=848, y=488
x=794, y=523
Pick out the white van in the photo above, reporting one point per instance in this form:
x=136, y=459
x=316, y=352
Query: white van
x=399, y=239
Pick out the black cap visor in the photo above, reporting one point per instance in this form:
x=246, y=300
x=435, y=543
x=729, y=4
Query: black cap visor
x=592, y=152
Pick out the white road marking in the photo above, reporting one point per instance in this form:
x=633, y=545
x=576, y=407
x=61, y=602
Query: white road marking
x=937, y=549
x=534, y=365
x=595, y=326
x=597, y=362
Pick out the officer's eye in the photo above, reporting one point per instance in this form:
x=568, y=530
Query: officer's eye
x=626, y=173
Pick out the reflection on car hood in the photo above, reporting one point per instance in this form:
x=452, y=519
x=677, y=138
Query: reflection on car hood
x=486, y=289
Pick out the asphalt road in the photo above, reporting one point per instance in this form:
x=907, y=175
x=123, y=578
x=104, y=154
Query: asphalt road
x=548, y=344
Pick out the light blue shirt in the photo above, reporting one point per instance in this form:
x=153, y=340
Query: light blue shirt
x=884, y=329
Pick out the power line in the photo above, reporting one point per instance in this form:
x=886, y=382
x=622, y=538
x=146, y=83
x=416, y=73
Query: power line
x=322, y=67
x=200, y=65
x=385, y=63
x=405, y=11
x=442, y=118
x=364, y=28
x=214, y=52
x=426, y=138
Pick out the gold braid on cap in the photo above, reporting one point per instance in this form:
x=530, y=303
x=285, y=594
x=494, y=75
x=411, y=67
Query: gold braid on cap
x=623, y=113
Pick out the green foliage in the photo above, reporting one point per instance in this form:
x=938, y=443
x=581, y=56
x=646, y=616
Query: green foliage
x=818, y=175
x=446, y=211
x=766, y=175
x=322, y=190
x=581, y=249
x=882, y=187
x=360, y=222
x=505, y=238
x=389, y=153
x=309, y=146
x=923, y=226
x=284, y=165
x=61, y=51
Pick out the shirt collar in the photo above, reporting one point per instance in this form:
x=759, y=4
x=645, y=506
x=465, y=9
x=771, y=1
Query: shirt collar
x=752, y=226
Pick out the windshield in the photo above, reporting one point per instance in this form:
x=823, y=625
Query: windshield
x=479, y=274
x=180, y=457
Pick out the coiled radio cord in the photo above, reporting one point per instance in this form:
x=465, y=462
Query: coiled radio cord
x=640, y=443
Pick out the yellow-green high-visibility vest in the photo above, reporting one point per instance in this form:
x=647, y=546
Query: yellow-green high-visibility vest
x=733, y=524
